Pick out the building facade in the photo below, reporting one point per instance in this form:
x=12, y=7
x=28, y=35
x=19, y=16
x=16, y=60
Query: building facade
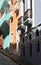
x=1, y=39
x=30, y=27
x=15, y=14
x=4, y=22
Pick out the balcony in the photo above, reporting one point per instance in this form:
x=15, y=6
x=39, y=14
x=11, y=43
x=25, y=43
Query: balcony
x=28, y=14
x=20, y=20
x=26, y=19
x=16, y=7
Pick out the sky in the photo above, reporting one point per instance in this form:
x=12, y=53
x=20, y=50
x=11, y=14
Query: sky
x=37, y=14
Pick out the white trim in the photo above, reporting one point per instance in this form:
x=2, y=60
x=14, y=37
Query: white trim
x=21, y=8
x=28, y=4
x=17, y=41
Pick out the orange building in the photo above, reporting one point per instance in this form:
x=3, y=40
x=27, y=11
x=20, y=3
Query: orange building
x=14, y=7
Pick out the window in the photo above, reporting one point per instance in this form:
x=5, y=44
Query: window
x=1, y=32
x=30, y=50
x=17, y=13
x=26, y=38
x=38, y=46
x=23, y=50
x=30, y=36
x=23, y=39
x=16, y=8
x=24, y=1
x=40, y=32
x=37, y=35
x=11, y=19
x=12, y=1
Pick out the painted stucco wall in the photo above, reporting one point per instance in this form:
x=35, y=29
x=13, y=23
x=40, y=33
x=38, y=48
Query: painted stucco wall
x=14, y=23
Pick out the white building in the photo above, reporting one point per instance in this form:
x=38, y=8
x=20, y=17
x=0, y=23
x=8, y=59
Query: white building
x=36, y=11
x=30, y=45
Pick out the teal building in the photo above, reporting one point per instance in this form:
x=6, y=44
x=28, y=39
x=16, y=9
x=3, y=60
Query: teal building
x=5, y=20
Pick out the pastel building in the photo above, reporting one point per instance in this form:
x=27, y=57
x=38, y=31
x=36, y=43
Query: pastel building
x=15, y=14
x=4, y=21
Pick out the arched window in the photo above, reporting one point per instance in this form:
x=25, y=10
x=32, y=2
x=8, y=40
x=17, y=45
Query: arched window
x=30, y=36
x=11, y=19
x=23, y=50
x=37, y=33
x=30, y=47
x=12, y=1
x=1, y=32
x=23, y=39
x=30, y=50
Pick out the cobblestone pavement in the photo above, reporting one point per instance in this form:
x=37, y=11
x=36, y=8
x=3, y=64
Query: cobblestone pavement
x=6, y=61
